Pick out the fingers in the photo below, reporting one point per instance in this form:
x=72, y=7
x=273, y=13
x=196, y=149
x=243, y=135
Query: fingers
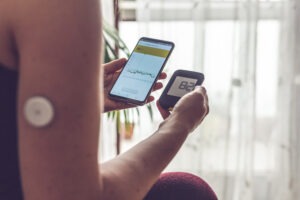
x=202, y=91
x=157, y=86
x=164, y=113
x=150, y=99
x=115, y=65
x=163, y=75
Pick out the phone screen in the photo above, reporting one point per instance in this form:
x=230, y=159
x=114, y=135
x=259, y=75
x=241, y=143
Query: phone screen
x=181, y=86
x=142, y=69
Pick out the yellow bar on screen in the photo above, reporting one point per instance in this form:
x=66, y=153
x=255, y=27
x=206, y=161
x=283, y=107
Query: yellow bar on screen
x=151, y=51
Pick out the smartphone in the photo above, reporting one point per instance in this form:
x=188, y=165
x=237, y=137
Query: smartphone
x=141, y=71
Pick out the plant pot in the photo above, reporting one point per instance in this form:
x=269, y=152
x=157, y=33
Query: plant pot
x=126, y=130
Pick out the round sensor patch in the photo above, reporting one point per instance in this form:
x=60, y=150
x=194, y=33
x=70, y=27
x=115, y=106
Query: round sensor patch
x=39, y=111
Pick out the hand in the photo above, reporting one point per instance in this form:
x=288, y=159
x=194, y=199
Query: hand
x=111, y=73
x=190, y=110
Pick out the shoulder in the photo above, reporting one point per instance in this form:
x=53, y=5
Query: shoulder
x=58, y=39
x=55, y=19
x=8, y=56
x=24, y=22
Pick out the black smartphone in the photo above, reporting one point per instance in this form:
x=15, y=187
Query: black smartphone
x=141, y=71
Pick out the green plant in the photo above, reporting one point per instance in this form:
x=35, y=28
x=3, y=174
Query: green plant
x=113, y=44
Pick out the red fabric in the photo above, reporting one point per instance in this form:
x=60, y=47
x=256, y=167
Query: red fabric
x=180, y=186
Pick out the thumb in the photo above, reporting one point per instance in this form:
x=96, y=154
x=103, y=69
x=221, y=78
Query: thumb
x=114, y=65
x=164, y=113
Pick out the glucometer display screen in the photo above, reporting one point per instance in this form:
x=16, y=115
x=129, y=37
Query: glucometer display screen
x=141, y=70
x=181, y=86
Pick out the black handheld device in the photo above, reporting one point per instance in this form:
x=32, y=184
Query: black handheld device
x=181, y=83
x=141, y=71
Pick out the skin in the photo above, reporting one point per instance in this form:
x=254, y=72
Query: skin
x=56, y=48
x=111, y=73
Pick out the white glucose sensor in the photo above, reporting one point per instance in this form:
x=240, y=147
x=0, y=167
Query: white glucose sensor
x=38, y=111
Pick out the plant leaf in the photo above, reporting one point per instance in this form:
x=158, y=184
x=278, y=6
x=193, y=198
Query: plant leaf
x=149, y=107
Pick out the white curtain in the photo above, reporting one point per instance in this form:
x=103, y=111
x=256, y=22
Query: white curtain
x=248, y=147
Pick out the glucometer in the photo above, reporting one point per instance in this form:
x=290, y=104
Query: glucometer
x=181, y=83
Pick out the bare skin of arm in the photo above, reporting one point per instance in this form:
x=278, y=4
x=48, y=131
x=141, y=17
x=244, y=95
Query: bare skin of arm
x=146, y=160
x=59, y=46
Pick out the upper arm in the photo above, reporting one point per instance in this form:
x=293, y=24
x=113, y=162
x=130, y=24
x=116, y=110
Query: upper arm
x=59, y=47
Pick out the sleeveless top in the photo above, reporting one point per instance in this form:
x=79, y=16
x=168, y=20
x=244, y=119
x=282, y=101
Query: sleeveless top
x=10, y=183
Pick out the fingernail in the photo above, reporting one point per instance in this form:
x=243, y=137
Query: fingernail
x=198, y=87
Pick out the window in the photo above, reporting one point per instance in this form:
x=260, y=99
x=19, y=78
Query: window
x=237, y=46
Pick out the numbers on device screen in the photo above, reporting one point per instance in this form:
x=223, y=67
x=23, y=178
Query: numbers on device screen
x=187, y=86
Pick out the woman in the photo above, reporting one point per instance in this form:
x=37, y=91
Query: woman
x=52, y=49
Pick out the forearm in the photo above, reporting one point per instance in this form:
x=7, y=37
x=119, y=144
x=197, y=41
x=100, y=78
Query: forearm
x=130, y=175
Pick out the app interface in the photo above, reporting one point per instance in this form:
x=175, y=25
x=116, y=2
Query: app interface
x=181, y=86
x=141, y=70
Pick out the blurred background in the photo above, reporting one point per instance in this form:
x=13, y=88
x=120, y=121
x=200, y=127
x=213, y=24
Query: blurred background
x=248, y=147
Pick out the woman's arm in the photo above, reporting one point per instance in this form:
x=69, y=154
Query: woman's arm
x=59, y=48
x=132, y=174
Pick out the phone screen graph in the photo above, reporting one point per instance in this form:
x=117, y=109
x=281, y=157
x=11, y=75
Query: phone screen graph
x=142, y=73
